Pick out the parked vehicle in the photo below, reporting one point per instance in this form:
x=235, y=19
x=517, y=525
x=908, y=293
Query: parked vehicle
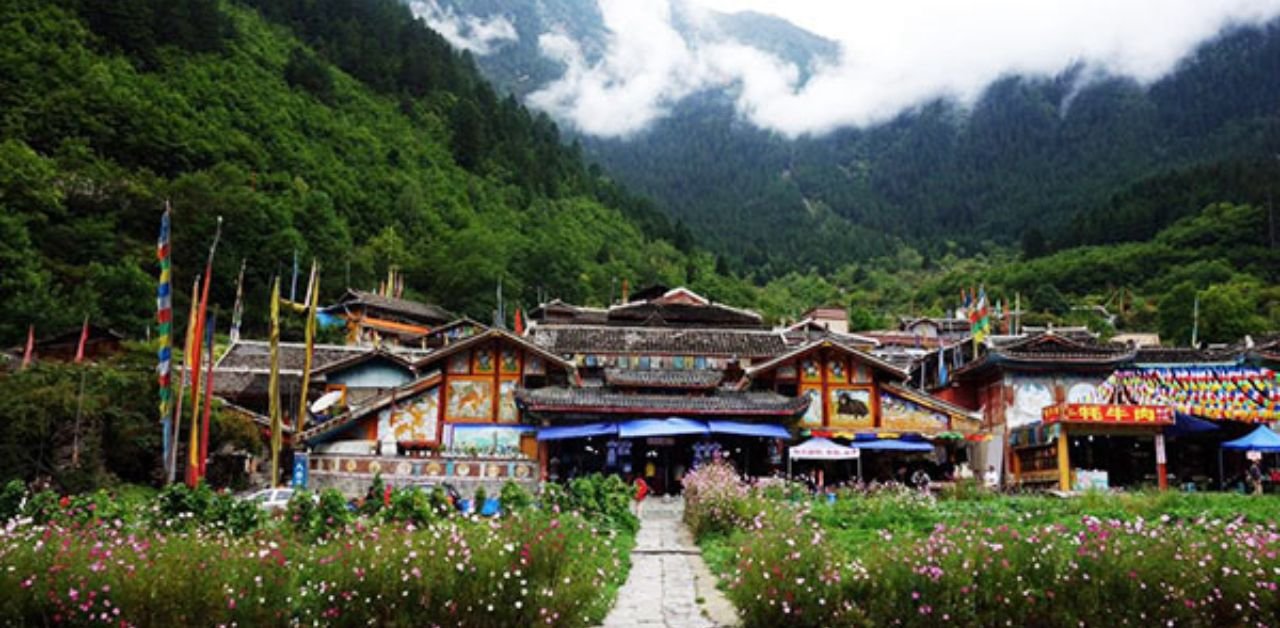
x=271, y=499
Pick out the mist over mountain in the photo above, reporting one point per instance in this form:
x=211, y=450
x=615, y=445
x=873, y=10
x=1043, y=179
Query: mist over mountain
x=1050, y=153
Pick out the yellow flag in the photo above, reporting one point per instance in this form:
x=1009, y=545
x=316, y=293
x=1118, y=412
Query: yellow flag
x=273, y=385
x=313, y=291
x=193, y=443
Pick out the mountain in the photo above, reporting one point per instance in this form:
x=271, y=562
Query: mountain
x=1037, y=156
x=345, y=131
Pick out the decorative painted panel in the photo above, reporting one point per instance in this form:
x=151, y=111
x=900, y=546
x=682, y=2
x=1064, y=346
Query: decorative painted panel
x=487, y=439
x=836, y=371
x=469, y=399
x=482, y=361
x=534, y=366
x=809, y=370
x=460, y=363
x=861, y=374
x=507, y=411
x=1030, y=397
x=813, y=414
x=415, y=421
x=849, y=407
x=903, y=415
x=787, y=372
x=510, y=361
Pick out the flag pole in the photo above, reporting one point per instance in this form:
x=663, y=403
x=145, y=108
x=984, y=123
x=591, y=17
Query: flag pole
x=313, y=294
x=208, y=396
x=201, y=432
x=75, y=437
x=164, y=330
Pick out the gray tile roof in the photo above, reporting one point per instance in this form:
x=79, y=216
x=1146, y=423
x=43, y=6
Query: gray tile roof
x=645, y=378
x=595, y=339
x=720, y=402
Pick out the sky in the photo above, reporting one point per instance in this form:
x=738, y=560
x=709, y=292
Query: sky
x=894, y=55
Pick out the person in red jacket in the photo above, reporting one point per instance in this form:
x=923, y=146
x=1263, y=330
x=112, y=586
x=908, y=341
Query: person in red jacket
x=642, y=491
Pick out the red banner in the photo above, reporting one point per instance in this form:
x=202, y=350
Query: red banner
x=1107, y=414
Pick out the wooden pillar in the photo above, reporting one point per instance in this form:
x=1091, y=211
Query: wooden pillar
x=1162, y=470
x=1064, y=458
x=544, y=459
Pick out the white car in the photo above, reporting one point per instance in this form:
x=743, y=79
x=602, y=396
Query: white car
x=271, y=498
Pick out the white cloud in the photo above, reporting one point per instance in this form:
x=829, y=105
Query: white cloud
x=480, y=35
x=894, y=55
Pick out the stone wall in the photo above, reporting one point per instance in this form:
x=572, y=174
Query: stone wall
x=352, y=475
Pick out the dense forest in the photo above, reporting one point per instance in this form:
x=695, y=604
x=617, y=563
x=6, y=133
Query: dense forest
x=1049, y=157
x=352, y=133
x=365, y=142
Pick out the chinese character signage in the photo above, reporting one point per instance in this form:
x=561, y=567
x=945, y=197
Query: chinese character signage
x=1107, y=414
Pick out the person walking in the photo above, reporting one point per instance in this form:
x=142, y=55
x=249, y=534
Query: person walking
x=642, y=491
x=1255, y=477
x=992, y=478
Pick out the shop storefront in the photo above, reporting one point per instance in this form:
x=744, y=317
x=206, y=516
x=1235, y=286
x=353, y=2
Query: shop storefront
x=1081, y=446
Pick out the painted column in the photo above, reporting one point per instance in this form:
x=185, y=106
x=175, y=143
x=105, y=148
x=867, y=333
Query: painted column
x=1162, y=471
x=1064, y=458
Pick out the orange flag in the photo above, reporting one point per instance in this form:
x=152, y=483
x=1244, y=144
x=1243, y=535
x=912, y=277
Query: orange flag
x=84, y=338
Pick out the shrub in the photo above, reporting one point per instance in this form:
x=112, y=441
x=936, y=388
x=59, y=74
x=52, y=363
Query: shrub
x=514, y=498
x=11, y=499
x=410, y=506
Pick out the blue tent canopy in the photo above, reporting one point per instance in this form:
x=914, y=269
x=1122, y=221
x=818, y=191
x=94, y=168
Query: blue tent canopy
x=738, y=428
x=889, y=444
x=640, y=428
x=1261, y=439
x=1185, y=424
x=585, y=430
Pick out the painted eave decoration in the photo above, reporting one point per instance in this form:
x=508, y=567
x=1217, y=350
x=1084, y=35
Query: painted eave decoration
x=354, y=415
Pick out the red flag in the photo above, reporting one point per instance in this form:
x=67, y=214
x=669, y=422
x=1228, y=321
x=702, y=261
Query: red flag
x=84, y=338
x=519, y=323
x=30, y=351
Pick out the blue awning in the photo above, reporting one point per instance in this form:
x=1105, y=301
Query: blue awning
x=1186, y=424
x=1261, y=439
x=738, y=428
x=640, y=428
x=585, y=430
x=890, y=444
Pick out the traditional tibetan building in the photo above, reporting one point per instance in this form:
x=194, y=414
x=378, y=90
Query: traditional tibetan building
x=669, y=379
x=1016, y=380
x=373, y=318
x=451, y=415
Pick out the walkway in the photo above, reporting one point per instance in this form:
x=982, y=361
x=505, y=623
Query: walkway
x=669, y=585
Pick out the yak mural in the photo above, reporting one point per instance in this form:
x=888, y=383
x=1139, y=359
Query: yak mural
x=850, y=407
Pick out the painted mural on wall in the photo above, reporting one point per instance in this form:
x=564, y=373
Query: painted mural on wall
x=507, y=411
x=413, y=422
x=836, y=371
x=813, y=414
x=850, y=407
x=460, y=363
x=510, y=362
x=470, y=399
x=486, y=439
x=809, y=370
x=903, y=415
x=1030, y=397
x=1083, y=391
x=482, y=361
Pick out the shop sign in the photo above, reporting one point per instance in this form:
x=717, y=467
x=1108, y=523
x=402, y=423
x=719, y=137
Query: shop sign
x=1107, y=414
x=660, y=441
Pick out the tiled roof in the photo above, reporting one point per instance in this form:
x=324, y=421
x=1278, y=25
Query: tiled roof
x=832, y=341
x=424, y=312
x=721, y=402
x=592, y=339
x=1052, y=346
x=256, y=354
x=645, y=378
x=1183, y=355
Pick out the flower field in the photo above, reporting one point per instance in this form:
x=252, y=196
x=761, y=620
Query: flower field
x=408, y=564
x=893, y=557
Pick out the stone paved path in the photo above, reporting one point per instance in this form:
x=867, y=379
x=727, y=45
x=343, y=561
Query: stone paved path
x=669, y=585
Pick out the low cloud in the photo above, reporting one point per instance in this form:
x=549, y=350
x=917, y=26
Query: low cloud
x=894, y=56
x=480, y=35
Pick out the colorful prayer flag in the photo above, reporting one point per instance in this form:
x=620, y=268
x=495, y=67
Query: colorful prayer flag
x=84, y=339
x=208, y=396
x=237, y=312
x=313, y=292
x=164, y=330
x=29, y=353
x=273, y=384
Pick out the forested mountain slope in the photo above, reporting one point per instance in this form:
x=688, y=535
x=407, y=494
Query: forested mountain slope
x=364, y=141
x=1046, y=156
